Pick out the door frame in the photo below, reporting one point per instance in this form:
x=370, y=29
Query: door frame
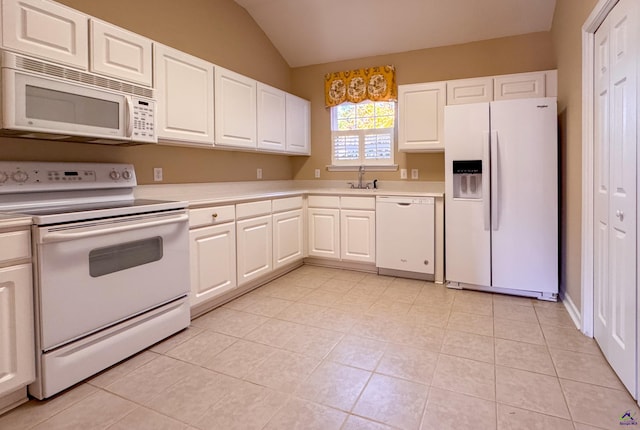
x=597, y=16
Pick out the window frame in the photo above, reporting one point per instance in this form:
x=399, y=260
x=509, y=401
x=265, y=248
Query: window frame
x=362, y=133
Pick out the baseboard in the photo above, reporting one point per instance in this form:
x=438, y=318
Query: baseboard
x=339, y=264
x=574, y=313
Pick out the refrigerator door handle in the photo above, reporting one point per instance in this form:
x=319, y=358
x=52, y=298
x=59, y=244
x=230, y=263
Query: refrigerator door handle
x=495, y=181
x=486, y=186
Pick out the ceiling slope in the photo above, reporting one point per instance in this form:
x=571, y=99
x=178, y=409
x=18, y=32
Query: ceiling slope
x=310, y=32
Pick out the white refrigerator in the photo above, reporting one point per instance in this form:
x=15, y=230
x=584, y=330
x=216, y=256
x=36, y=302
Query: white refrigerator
x=501, y=201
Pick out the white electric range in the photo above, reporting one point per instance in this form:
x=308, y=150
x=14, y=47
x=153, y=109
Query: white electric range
x=111, y=273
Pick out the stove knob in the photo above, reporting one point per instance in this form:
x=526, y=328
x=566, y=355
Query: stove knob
x=20, y=176
x=114, y=175
x=3, y=177
x=126, y=175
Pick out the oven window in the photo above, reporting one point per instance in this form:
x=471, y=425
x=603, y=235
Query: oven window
x=69, y=108
x=111, y=259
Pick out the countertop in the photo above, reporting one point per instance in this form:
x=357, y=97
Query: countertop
x=211, y=194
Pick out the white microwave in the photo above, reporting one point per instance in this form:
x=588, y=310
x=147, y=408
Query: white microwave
x=43, y=100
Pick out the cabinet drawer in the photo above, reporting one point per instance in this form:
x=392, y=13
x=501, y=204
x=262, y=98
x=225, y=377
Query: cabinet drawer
x=15, y=245
x=212, y=215
x=324, y=202
x=366, y=203
x=248, y=210
x=287, y=204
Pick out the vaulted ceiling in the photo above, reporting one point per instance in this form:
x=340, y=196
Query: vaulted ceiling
x=320, y=31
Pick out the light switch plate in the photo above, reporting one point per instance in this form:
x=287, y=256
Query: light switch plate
x=259, y=173
x=414, y=174
x=316, y=174
x=403, y=173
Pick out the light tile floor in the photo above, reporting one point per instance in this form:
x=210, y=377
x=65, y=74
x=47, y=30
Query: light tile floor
x=333, y=349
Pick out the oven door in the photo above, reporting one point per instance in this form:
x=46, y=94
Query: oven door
x=94, y=274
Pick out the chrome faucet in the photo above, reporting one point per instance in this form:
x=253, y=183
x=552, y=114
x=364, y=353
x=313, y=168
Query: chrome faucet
x=360, y=185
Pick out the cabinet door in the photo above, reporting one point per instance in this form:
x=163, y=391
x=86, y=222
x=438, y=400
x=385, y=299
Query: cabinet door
x=120, y=54
x=271, y=118
x=358, y=235
x=519, y=86
x=46, y=30
x=255, y=248
x=324, y=233
x=17, y=356
x=287, y=238
x=298, y=125
x=235, y=113
x=421, y=117
x=476, y=90
x=213, y=262
x=184, y=89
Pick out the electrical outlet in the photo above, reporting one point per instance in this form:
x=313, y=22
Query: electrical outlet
x=259, y=173
x=317, y=173
x=157, y=174
x=403, y=173
x=414, y=174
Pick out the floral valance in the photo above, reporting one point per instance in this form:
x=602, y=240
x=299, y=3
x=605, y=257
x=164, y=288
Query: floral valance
x=374, y=83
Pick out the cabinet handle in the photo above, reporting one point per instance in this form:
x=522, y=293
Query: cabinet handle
x=214, y=215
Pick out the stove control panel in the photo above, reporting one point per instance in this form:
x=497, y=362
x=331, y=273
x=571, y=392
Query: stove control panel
x=27, y=176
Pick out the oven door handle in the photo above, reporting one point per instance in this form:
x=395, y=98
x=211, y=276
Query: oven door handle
x=59, y=237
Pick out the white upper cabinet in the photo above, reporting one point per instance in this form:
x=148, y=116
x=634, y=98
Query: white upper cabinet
x=475, y=90
x=298, y=125
x=46, y=30
x=421, y=117
x=271, y=118
x=120, y=54
x=235, y=110
x=184, y=90
x=518, y=86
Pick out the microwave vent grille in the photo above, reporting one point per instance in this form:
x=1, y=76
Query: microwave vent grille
x=31, y=65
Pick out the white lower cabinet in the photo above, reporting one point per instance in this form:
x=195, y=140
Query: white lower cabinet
x=255, y=248
x=357, y=236
x=213, y=262
x=17, y=356
x=324, y=233
x=288, y=239
x=342, y=228
x=212, y=252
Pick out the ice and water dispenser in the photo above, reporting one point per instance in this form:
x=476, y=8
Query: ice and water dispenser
x=467, y=179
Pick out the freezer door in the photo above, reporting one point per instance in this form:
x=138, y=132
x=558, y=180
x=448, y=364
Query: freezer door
x=467, y=222
x=524, y=190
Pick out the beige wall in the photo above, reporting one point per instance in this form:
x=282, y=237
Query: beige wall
x=219, y=31
x=566, y=34
x=492, y=57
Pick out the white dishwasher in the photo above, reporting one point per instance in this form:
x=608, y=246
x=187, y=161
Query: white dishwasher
x=405, y=236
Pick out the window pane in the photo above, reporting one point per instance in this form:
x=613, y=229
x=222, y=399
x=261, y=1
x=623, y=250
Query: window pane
x=365, y=109
x=346, y=147
x=365, y=123
x=345, y=110
x=377, y=146
x=385, y=108
x=384, y=122
x=346, y=124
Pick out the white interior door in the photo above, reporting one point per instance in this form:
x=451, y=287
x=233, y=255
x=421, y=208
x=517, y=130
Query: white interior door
x=615, y=237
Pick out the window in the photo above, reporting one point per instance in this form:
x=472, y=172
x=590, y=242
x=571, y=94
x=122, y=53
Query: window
x=363, y=133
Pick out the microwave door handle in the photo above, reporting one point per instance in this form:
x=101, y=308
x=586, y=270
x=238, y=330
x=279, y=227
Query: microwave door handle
x=129, y=115
x=60, y=237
